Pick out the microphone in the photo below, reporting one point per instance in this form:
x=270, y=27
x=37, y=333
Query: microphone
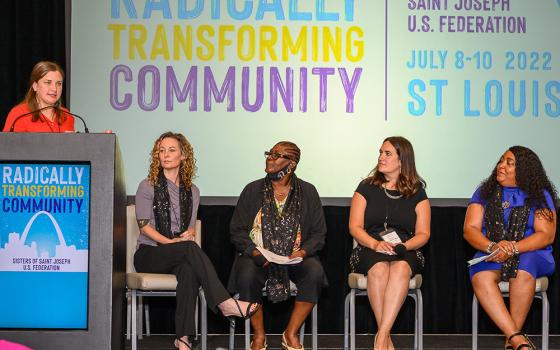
x=86, y=130
x=400, y=249
x=26, y=114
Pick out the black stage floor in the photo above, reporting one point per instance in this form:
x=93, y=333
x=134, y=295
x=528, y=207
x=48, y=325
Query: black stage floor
x=455, y=342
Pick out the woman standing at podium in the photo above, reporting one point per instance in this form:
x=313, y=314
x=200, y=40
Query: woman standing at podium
x=166, y=206
x=41, y=110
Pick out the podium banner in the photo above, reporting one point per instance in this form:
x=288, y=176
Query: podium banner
x=44, y=242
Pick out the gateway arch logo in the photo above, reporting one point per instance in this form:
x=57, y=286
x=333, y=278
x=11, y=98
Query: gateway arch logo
x=17, y=256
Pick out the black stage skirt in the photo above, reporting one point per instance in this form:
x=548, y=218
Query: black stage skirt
x=366, y=258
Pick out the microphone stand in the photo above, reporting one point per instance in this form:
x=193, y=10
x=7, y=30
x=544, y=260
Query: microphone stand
x=26, y=114
x=86, y=130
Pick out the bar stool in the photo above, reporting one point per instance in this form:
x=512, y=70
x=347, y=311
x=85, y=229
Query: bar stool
x=540, y=293
x=293, y=292
x=358, y=287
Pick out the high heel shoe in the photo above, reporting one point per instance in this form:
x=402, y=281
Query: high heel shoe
x=508, y=346
x=263, y=347
x=252, y=308
x=176, y=343
x=285, y=345
x=528, y=343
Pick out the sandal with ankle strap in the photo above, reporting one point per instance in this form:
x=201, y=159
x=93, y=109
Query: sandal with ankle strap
x=285, y=345
x=176, y=343
x=528, y=343
x=252, y=308
x=263, y=347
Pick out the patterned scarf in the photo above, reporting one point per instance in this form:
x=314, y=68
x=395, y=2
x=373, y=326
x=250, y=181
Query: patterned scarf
x=494, y=222
x=162, y=207
x=279, y=234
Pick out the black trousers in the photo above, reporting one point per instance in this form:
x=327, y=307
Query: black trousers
x=308, y=276
x=193, y=269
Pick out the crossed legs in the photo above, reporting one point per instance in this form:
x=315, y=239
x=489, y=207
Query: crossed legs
x=387, y=288
x=521, y=293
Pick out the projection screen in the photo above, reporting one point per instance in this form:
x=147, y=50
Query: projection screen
x=461, y=79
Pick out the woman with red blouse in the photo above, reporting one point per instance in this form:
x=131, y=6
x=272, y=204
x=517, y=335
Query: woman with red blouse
x=41, y=109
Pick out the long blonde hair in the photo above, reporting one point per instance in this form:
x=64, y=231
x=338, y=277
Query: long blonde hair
x=187, y=168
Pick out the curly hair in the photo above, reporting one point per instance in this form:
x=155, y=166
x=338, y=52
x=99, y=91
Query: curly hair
x=530, y=177
x=409, y=182
x=187, y=168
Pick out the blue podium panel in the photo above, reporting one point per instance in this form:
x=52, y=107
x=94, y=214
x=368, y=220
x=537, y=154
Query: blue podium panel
x=44, y=245
x=62, y=241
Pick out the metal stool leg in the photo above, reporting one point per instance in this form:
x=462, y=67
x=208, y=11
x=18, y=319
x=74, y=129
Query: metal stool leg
x=314, y=328
x=247, y=334
x=352, y=319
x=420, y=321
x=147, y=318
x=203, y=320
x=346, y=320
x=134, y=321
x=140, y=318
x=128, y=314
x=474, y=323
x=545, y=319
x=231, y=335
x=413, y=296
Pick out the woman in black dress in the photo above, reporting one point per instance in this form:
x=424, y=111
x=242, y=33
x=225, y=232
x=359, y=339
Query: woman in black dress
x=388, y=207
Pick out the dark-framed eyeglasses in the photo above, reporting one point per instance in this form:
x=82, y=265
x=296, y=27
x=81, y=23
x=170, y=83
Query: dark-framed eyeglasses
x=275, y=155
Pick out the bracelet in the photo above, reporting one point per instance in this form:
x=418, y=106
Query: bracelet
x=489, y=247
x=515, y=250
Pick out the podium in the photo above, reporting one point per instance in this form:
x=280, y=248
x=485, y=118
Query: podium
x=54, y=165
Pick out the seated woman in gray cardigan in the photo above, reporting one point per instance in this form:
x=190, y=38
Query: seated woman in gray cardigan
x=166, y=206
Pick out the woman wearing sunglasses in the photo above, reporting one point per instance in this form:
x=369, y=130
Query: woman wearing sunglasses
x=281, y=214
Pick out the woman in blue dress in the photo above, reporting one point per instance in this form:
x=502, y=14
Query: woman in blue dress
x=513, y=212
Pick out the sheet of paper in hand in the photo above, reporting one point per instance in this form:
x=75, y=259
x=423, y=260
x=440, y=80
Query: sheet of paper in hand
x=482, y=258
x=278, y=259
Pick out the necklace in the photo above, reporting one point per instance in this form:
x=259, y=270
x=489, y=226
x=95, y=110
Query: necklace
x=390, y=195
x=280, y=195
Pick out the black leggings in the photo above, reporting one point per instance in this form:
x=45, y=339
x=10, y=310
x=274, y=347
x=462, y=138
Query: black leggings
x=193, y=269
